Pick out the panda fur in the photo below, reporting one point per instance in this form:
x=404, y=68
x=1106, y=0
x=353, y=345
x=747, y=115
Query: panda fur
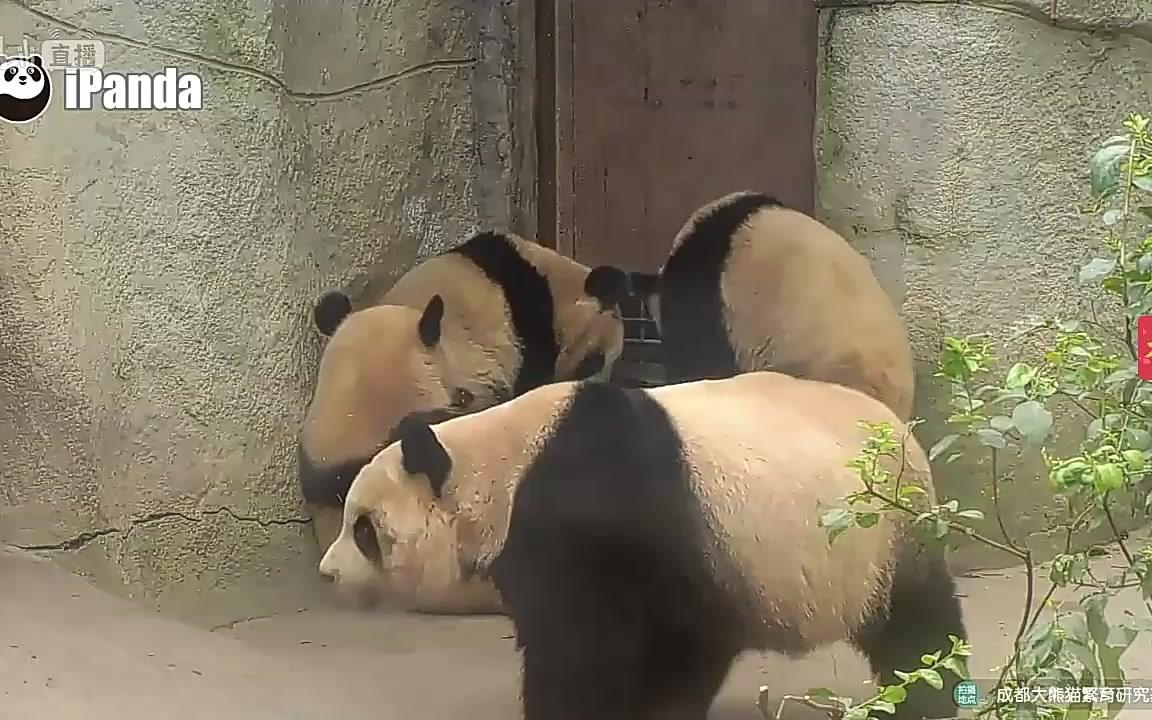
x=642, y=539
x=467, y=329
x=752, y=285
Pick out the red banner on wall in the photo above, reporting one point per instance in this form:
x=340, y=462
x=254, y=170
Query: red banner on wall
x=1144, y=347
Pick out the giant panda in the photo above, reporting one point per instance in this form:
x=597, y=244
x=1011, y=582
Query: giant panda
x=474, y=326
x=752, y=285
x=641, y=539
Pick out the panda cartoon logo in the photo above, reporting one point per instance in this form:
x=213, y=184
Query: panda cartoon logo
x=25, y=88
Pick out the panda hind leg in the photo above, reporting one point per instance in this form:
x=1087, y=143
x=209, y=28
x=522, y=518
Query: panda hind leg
x=922, y=611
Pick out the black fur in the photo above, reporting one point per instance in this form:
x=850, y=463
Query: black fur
x=604, y=570
x=364, y=533
x=422, y=453
x=922, y=612
x=607, y=284
x=430, y=321
x=530, y=299
x=330, y=310
x=328, y=485
x=589, y=366
x=695, y=342
x=605, y=576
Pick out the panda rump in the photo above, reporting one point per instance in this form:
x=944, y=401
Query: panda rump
x=642, y=539
x=752, y=285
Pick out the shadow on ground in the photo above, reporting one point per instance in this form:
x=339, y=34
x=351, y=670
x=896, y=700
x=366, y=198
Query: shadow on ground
x=68, y=650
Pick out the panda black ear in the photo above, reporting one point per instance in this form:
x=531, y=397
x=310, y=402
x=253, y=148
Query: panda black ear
x=422, y=453
x=37, y=61
x=330, y=310
x=430, y=321
x=607, y=284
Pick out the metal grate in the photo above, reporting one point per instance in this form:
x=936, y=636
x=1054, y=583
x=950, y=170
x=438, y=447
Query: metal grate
x=640, y=365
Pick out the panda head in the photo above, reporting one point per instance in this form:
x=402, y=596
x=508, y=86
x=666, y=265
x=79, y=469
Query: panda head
x=399, y=535
x=591, y=327
x=23, y=78
x=380, y=364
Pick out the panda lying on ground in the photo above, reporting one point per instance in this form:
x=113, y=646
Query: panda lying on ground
x=642, y=539
x=462, y=331
x=752, y=285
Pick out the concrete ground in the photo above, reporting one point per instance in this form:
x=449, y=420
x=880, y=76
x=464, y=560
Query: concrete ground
x=68, y=650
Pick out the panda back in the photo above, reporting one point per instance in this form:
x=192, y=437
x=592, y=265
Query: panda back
x=761, y=464
x=799, y=299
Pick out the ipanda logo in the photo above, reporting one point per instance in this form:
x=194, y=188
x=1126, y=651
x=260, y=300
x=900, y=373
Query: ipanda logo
x=169, y=90
x=25, y=88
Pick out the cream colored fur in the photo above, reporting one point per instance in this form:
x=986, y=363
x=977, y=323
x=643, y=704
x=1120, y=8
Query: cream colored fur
x=763, y=462
x=374, y=370
x=433, y=540
x=782, y=268
x=767, y=450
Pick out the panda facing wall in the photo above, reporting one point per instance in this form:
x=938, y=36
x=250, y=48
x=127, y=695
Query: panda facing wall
x=462, y=331
x=752, y=285
x=636, y=538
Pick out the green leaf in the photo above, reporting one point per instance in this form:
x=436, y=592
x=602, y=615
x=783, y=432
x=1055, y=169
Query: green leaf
x=823, y=694
x=837, y=521
x=1106, y=167
x=931, y=677
x=991, y=438
x=911, y=490
x=1003, y=423
x=1075, y=627
x=1144, y=182
x=956, y=666
x=1145, y=210
x=1094, y=428
x=971, y=514
x=1135, y=459
x=1096, y=270
x=940, y=529
x=1020, y=375
x=1111, y=217
x=885, y=707
x=941, y=445
x=1123, y=374
x=1108, y=477
x=1033, y=420
x=867, y=519
x=894, y=694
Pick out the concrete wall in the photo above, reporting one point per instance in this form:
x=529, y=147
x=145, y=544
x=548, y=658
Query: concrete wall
x=156, y=269
x=953, y=140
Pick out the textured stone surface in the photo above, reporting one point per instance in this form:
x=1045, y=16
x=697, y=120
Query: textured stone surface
x=953, y=142
x=156, y=269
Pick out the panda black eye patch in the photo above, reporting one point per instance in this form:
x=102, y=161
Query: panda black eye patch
x=367, y=541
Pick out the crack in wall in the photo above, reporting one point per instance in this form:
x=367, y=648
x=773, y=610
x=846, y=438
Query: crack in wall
x=85, y=538
x=225, y=66
x=1137, y=29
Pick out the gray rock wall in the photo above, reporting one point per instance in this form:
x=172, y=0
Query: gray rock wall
x=157, y=268
x=953, y=140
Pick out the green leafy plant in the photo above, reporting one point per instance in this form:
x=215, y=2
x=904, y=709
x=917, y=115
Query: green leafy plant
x=1086, y=377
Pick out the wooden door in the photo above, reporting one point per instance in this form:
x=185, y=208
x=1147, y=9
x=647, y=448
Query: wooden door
x=663, y=105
